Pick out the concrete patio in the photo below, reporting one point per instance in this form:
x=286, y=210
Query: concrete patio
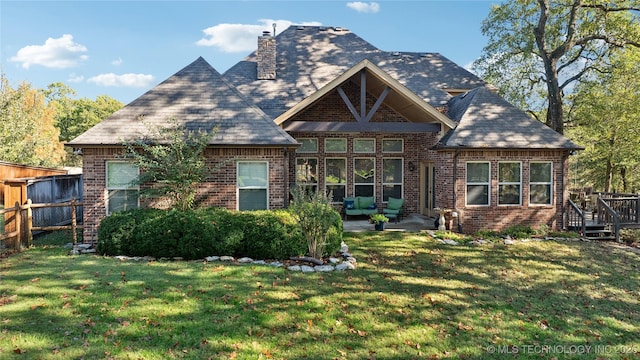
x=411, y=223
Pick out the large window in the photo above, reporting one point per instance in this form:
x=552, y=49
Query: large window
x=307, y=173
x=540, y=180
x=308, y=145
x=478, y=183
x=336, y=178
x=392, y=146
x=253, y=184
x=364, y=145
x=392, y=176
x=509, y=183
x=122, y=192
x=335, y=145
x=364, y=174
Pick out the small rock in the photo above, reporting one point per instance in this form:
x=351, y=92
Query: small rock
x=83, y=246
x=345, y=255
x=121, y=257
x=450, y=242
x=351, y=259
x=509, y=242
x=276, y=264
x=259, y=262
x=324, y=268
x=306, y=268
x=245, y=260
x=345, y=266
x=334, y=260
x=226, y=258
x=178, y=258
x=87, y=251
x=212, y=258
x=294, y=268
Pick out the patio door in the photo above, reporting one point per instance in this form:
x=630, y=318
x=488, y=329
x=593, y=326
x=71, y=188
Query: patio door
x=427, y=188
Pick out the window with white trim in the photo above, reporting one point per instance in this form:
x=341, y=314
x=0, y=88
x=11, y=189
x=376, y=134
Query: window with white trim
x=307, y=173
x=253, y=185
x=122, y=191
x=392, y=145
x=392, y=178
x=335, y=145
x=509, y=183
x=364, y=146
x=364, y=174
x=478, y=183
x=307, y=146
x=540, y=183
x=335, y=178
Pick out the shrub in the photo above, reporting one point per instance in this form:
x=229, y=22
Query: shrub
x=117, y=230
x=489, y=235
x=630, y=236
x=447, y=234
x=196, y=234
x=519, y=231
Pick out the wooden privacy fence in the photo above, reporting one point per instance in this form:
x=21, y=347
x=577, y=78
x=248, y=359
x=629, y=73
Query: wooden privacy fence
x=19, y=223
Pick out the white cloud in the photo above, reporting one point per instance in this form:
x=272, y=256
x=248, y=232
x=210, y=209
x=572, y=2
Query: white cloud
x=73, y=78
x=363, y=7
x=117, y=62
x=242, y=37
x=57, y=53
x=124, y=80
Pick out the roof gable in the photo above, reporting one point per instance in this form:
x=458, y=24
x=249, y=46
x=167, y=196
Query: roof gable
x=487, y=121
x=198, y=97
x=377, y=82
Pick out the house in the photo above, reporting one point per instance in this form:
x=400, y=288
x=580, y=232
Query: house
x=320, y=107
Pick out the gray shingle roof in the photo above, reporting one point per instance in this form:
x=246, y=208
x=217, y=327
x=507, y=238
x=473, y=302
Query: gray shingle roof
x=486, y=120
x=200, y=98
x=309, y=57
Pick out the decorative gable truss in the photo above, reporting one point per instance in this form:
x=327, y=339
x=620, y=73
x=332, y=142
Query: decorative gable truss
x=421, y=116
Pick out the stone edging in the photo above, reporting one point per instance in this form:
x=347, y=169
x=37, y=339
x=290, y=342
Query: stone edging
x=346, y=262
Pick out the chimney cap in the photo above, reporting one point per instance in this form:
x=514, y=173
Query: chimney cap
x=266, y=33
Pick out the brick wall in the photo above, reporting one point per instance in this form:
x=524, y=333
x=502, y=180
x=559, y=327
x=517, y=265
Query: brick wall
x=498, y=217
x=218, y=190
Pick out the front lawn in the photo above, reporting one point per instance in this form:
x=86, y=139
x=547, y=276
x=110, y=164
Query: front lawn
x=410, y=297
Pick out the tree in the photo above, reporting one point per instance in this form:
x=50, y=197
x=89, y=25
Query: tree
x=27, y=131
x=607, y=120
x=316, y=216
x=538, y=49
x=75, y=116
x=171, y=162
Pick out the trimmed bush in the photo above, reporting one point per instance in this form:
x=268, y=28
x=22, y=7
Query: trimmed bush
x=196, y=234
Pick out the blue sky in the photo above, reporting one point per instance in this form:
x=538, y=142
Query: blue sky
x=124, y=48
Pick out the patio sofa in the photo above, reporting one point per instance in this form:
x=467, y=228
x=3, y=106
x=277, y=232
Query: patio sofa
x=359, y=205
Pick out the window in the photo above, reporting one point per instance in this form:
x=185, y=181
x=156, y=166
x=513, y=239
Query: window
x=364, y=173
x=509, y=186
x=122, y=192
x=308, y=146
x=253, y=182
x=335, y=145
x=307, y=173
x=392, y=176
x=364, y=145
x=336, y=178
x=540, y=180
x=478, y=180
x=392, y=146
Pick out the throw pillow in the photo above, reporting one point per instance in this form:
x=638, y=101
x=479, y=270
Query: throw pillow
x=349, y=204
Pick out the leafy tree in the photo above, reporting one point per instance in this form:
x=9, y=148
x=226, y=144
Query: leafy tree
x=75, y=116
x=538, y=49
x=172, y=162
x=27, y=131
x=607, y=120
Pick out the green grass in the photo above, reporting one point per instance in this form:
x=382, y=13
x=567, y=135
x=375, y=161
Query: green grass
x=410, y=298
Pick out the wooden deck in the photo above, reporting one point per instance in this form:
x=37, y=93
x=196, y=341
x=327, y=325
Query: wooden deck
x=610, y=214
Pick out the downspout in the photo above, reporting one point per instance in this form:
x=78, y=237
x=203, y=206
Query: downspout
x=285, y=173
x=565, y=157
x=455, y=194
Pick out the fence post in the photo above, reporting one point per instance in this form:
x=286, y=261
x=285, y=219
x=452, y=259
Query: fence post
x=29, y=224
x=18, y=217
x=73, y=224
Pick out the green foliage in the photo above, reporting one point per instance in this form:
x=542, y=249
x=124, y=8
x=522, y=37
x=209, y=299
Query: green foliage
x=316, y=218
x=377, y=218
x=630, y=236
x=171, y=160
x=27, y=131
x=446, y=234
x=519, y=231
x=537, y=50
x=489, y=235
x=196, y=234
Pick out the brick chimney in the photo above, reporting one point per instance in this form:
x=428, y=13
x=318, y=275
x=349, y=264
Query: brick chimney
x=266, y=56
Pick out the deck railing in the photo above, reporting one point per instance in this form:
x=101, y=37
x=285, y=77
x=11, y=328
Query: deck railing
x=608, y=215
x=576, y=218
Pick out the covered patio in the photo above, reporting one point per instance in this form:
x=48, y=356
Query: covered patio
x=410, y=223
